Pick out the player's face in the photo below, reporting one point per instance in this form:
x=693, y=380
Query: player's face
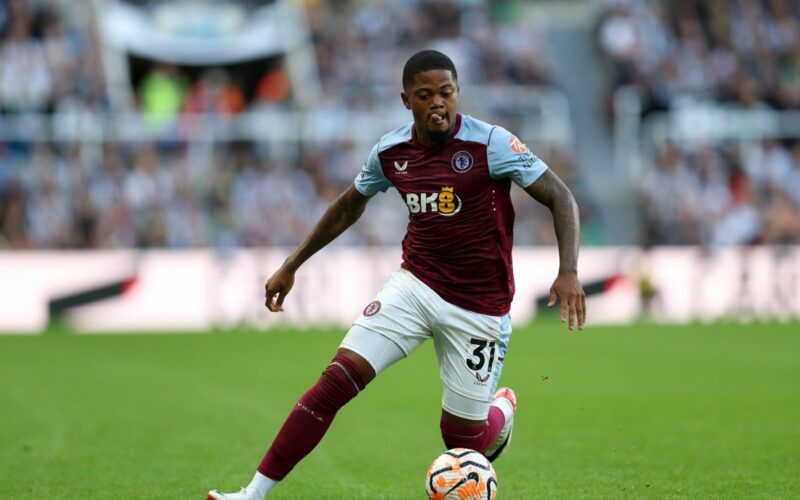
x=433, y=100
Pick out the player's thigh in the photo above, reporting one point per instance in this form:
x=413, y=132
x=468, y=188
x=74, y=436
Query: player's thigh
x=372, y=348
x=468, y=347
x=391, y=326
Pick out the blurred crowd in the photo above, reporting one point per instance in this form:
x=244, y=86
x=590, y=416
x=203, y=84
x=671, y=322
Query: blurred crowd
x=740, y=52
x=157, y=193
x=725, y=195
x=46, y=63
x=489, y=45
x=223, y=194
x=142, y=195
x=735, y=54
x=230, y=193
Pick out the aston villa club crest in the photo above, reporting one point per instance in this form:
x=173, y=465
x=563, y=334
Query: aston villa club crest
x=461, y=162
x=372, y=308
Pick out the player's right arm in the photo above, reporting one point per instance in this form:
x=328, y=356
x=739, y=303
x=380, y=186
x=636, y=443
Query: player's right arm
x=342, y=213
x=508, y=157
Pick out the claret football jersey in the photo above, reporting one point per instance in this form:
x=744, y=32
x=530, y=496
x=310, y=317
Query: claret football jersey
x=461, y=222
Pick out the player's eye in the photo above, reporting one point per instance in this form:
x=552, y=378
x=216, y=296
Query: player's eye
x=422, y=96
x=447, y=94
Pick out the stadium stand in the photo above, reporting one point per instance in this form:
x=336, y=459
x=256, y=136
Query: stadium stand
x=162, y=186
x=737, y=60
x=745, y=53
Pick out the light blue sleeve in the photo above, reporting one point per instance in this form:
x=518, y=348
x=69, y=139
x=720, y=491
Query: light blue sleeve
x=371, y=179
x=509, y=157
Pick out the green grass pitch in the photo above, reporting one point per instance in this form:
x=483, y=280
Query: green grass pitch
x=636, y=412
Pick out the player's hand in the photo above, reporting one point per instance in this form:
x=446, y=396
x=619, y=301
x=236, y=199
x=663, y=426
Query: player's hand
x=569, y=291
x=277, y=287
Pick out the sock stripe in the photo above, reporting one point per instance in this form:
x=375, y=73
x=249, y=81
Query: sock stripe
x=347, y=373
x=474, y=436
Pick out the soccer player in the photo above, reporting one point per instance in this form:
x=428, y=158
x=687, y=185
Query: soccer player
x=455, y=283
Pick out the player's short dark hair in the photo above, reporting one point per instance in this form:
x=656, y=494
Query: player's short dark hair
x=426, y=60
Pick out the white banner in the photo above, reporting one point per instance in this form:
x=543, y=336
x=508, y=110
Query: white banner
x=195, y=290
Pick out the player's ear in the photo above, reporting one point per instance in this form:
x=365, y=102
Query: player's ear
x=404, y=97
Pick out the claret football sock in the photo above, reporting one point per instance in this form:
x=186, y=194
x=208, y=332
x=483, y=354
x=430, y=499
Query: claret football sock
x=506, y=401
x=476, y=438
x=311, y=417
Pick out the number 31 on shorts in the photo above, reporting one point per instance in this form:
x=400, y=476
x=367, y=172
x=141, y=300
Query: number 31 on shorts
x=478, y=358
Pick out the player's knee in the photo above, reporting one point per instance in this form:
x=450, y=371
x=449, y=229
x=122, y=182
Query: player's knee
x=340, y=382
x=357, y=364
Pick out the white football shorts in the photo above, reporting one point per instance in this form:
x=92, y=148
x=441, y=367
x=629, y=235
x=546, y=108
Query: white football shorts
x=470, y=346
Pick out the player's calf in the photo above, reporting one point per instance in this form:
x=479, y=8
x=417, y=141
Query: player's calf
x=460, y=434
x=312, y=415
x=305, y=426
x=490, y=437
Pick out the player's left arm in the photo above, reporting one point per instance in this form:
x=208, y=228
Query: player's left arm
x=550, y=191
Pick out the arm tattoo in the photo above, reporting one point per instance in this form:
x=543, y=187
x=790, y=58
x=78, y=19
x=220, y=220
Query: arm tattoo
x=551, y=192
x=340, y=215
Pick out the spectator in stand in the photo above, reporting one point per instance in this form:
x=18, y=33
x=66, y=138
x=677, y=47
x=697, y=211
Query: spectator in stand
x=214, y=93
x=58, y=56
x=26, y=83
x=714, y=195
x=273, y=88
x=13, y=217
x=162, y=94
x=792, y=184
x=671, y=192
x=740, y=223
x=781, y=219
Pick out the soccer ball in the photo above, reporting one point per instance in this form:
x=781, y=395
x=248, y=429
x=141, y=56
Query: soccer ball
x=461, y=474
